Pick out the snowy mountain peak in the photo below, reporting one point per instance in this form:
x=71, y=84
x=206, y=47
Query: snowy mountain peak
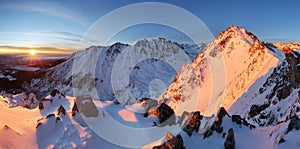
x=288, y=47
x=234, y=35
x=157, y=43
x=244, y=59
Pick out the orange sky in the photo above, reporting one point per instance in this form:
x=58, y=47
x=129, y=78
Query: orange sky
x=38, y=50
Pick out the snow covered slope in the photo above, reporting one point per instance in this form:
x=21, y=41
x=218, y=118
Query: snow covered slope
x=225, y=69
x=141, y=76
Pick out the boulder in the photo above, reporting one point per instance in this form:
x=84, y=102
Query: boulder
x=165, y=114
x=221, y=114
x=294, y=123
x=172, y=143
x=192, y=123
x=237, y=119
x=230, y=141
x=86, y=106
x=41, y=105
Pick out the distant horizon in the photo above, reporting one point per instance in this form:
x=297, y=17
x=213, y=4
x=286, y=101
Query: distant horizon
x=19, y=50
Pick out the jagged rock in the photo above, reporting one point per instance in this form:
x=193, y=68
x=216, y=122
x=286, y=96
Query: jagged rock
x=61, y=109
x=294, y=123
x=86, y=106
x=230, y=141
x=282, y=140
x=54, y=92
x=148, y=103
x=217, y=125
x=237, y=119
x=193, y=123
x=165, y=114
x=41, y=105
x=222, y=113
x=173, y=143
x=256, y=109
x=74, y=108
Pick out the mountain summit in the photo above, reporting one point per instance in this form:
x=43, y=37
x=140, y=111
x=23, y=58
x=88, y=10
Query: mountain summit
x=221, y=73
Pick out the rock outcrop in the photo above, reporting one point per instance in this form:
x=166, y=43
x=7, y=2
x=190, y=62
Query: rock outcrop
x=165, y=114
x=294, y=123
x=172, y=143
x=230, y=141
x=192, y=123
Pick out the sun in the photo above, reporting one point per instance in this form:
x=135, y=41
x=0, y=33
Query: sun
x=32, y=52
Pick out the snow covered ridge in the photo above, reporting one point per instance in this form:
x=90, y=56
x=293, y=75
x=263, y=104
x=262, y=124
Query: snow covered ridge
x=244, y=58
x=288, y=47
x=141, y=76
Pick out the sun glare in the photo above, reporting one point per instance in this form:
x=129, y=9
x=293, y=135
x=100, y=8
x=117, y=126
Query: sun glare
x=32, y=52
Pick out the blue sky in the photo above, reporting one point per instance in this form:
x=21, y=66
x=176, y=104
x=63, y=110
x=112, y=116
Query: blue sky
x=62, y=23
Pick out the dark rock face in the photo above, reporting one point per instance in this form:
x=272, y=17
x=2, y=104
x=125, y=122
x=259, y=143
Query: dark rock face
x=166, y=115
x=285, y=77
x=54, y=92
x=172, y=143
x=256, y=109
x=230, y=141
x=74, y=108
x=221, y=114
x=217, y=125
x=294, y=69
x=294, y=123
x=61, y=109
x=237, y=119
x=193, y=123
x=86, y=106
x=282, y=140
x=41, y=105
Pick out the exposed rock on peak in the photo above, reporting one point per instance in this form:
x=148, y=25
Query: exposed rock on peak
x=172, y=143
x=221, y=114
x=236, y=56
x=288, y=47
x=165, y=114
x=192, y=123
x=61, y=110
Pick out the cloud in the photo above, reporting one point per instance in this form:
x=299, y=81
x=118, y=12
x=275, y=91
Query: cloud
x=48, y=8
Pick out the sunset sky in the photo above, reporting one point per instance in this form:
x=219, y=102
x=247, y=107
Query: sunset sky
x=57, y=26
